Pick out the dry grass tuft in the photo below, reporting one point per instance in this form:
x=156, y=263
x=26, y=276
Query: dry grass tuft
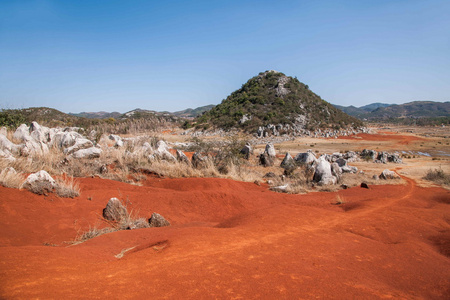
x=10, y=178
x=67, y=188
x=91, y=233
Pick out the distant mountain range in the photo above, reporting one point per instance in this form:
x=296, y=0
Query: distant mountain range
x=403, y=113
x=187, y=113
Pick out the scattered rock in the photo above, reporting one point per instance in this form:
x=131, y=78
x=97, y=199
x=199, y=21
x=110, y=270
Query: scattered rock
x=199, y=161
x=364, y=185
x=115, y=211
x=388, y=174
x=92, y=152
x=139, y=223
x=265, y=160
x=156, y=220
x=270, y=175
x=281, y=188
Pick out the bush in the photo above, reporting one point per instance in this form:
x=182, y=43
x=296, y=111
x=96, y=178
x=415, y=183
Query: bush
x=438, y=176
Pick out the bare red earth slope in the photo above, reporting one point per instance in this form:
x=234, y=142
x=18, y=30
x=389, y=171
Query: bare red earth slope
x=228, y=240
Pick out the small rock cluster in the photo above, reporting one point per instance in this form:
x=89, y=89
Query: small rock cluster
x=116, y=212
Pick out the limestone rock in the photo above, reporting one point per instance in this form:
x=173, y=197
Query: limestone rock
x=92, y=152
x=288, y=162
x=181, y=157
x=199, y=161
x=80, y=143
x=265, y=160
x=270, y=150
x=39, y=183
x=246, y=151
x=388, y=174
x=323, y=174
x=306, y=158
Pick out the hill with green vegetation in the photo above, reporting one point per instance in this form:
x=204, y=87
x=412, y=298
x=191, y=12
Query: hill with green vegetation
x=43, y=115
x=274, y=98
x=412, y=113
x=192, y=113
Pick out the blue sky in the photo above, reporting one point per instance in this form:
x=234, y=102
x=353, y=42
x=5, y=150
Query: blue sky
x=111, y=55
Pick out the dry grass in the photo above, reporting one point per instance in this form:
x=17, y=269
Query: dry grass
x=67, y=187
x=10, y=178
x=91, y=233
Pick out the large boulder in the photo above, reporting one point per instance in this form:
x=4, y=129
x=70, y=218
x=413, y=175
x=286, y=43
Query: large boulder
x=162, y=152
x=306, y=158
x=115, y=211
x=64, y=139
x=246, y=151
x=40, y=134
x=22, y=134
x=92, y=152
x=270, y=150
x=39, y=183
x=156, y=220
x=80, y=143
x=288, y=162
x=323, y=174
x=265, y=160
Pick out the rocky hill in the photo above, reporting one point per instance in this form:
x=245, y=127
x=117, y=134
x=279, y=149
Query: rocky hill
x=273, y=100
x=416, y=112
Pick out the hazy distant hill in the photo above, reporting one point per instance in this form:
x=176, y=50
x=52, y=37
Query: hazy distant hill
x=274, y=98
x=192, y=113
x=416, y=112
x=97, y=115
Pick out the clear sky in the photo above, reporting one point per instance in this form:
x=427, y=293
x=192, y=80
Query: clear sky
x=117, y=55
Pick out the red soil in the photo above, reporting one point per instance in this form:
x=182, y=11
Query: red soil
x=383, y=136
x=228, y=240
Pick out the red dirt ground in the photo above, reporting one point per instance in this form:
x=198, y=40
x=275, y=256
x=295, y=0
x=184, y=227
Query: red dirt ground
x=228, y=240
x=383, y=136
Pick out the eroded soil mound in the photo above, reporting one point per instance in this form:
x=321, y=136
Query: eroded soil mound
x=228, y=240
